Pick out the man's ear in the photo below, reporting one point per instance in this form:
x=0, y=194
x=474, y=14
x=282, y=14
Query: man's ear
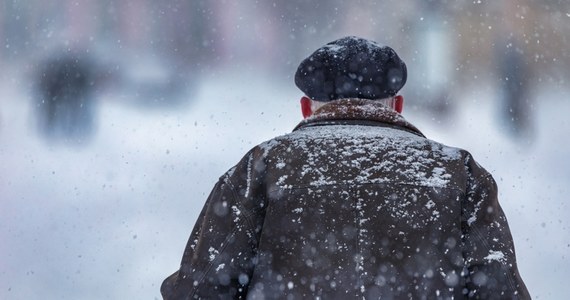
x=399, y=104
x=306, y=107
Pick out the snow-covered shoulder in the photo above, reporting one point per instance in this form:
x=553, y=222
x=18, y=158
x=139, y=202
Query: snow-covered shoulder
x=335, y=154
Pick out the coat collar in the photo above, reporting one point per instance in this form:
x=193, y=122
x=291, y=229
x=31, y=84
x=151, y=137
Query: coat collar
x=357, y=111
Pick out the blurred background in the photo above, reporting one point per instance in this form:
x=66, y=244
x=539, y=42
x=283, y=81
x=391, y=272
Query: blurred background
x=117, y=118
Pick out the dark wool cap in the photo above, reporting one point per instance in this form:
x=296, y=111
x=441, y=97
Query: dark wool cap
x=351, y=67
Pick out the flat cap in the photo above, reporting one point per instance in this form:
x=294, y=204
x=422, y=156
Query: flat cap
x=351, y=67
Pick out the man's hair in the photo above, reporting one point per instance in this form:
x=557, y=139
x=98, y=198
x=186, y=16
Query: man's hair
x=389, y=102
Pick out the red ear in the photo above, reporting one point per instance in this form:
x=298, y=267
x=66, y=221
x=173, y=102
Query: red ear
x=306, y=107
x=399, y=105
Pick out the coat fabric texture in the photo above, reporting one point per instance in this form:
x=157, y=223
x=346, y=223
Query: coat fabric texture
x=354, y=203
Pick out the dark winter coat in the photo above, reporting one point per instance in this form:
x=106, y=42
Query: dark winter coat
x=354, y=203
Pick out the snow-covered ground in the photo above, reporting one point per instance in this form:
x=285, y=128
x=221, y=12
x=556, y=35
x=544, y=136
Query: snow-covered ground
x=110, y=220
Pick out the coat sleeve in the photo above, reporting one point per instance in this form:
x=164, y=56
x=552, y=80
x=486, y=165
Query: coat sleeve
x=219, y=255
x=491, y=269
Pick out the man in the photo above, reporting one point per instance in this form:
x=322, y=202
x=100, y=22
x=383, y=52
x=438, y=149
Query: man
x=354, y=203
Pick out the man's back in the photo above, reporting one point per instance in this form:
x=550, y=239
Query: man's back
x=365, y=207
x=361, y=209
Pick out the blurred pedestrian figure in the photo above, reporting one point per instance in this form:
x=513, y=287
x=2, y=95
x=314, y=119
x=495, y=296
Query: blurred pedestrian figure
x=434, y=58
x=65, y=102
x=515, y=90
x=515, y=73
x=355, y=203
